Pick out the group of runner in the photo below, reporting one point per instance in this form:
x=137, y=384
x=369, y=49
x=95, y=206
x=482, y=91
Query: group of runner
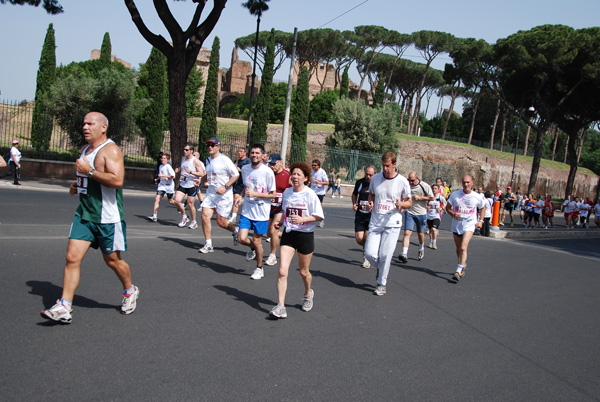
x=274, y=198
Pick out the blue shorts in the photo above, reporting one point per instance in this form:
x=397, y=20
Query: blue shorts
x=258, y=227
x=416, y=223
x=109, y=237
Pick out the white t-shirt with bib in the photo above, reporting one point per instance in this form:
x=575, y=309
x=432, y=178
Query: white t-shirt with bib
x=303, y=203
x=466, y=205
x=218, y=172
x=262, y=180
x=386, y=191
x=166, y=183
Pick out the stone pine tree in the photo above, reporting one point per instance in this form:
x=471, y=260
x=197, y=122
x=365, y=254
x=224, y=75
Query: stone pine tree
x=105, y=52
x=345, y=85
x=41, y=124
x=300, y=118
x=263, y=102
x=150, y=121
x=379, y=97
x=208, y=126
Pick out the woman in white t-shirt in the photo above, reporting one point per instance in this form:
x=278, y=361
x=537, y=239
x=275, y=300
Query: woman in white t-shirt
x=301, y=212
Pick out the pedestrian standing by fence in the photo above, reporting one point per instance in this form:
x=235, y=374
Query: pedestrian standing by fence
x=15, y=162
x=99, y=220
x=462, y=207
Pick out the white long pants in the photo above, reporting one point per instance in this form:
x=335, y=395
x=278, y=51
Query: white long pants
x=379, y=250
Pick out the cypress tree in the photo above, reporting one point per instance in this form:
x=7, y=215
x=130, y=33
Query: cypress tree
x=379, y=96
x=260, y=120
x=105, y=52
x=41, y=125
x=345, y=85
x=150, y=121
x=300, y=117
x=208, y=126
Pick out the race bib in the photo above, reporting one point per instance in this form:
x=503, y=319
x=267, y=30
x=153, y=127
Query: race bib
x=82, y=184
x=385, y=207
x=362, y=206
x=276, y=202
x=295, y=208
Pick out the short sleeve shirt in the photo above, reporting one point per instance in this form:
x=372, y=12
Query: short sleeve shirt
x=466, y=205
x=261, y=180
x=218, y=172
x=319, y=175
x=166, y=183
x=420, y=207
x=384, y=213
x=303, y=203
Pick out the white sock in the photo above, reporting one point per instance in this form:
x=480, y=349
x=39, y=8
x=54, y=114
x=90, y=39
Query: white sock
x=421, y=246
x=405, y=250
x=209, y=242
x=460, y=268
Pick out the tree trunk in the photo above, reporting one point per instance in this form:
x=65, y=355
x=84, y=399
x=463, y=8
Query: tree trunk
x=537, y=158
x=450, y=110
x=580, y=143
x=503, y=130
x=177, y=108
x=556, y=131
x=495, y=125
x=566, y=150
x=526, y=143
x=475, y=106
x=402, y=111
x=572, y=151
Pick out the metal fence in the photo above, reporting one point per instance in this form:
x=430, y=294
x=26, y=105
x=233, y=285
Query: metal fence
x=16, y=122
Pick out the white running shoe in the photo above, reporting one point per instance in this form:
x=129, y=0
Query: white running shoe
x=272, y=260
x=278, y=311
x=152, y=218
x=380, y=291
x=250, y=255
x=421, y=254
x=236, y=240
x=307, y=301
x=366, y=264
x=184, y=221
x=206, y=249
x=59, y=313
x=258, y=273
x=130, y=301
x=193, y=225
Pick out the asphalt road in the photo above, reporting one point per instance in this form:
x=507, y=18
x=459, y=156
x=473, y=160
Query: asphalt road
x=522, y=325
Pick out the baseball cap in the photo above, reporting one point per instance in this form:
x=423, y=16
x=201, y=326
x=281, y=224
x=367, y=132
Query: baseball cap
x=274, y=158
x=15, y=142
x=213, y=140
x=508, y=188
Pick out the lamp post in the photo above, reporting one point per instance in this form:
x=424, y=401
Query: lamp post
x=529, y=114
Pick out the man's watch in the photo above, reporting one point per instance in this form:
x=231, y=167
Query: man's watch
x=91, y=173
x=226, y=186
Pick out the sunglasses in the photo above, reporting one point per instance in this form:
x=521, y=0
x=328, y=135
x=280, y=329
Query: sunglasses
x=411, y=181
x=211, y=145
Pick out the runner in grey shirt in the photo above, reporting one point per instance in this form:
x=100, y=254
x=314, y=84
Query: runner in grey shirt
x=416, y=216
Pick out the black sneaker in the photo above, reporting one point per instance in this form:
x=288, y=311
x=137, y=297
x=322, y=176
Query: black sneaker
x=402, y=258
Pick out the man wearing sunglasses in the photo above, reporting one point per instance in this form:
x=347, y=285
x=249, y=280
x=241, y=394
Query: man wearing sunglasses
x=191, y=169
x=221, y=173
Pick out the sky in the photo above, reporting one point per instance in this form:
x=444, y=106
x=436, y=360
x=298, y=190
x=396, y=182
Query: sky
x=82, y=26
